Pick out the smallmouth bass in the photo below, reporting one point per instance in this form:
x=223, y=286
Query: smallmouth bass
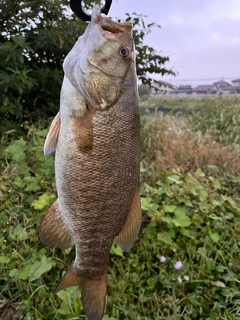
x=96, y=136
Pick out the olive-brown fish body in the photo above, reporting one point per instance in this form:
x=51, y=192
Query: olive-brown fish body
x=96, y=136
x=96, y=188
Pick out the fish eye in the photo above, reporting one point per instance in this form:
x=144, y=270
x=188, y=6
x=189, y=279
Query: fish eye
x=124, y=52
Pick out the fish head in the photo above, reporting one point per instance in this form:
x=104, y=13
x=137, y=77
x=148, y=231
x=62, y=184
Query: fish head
x=98, y=63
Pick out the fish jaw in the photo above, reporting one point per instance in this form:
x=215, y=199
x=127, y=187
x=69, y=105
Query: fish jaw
x=96, y=65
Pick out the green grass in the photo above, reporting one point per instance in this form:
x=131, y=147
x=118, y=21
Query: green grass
x=190, y=197
x=186, y=105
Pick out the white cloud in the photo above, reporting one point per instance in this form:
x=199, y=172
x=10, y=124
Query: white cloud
x=222, y=9
x=235, y=40
x=175, y=18
x=215, y=36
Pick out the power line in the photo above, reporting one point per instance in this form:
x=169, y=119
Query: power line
x=204, y=79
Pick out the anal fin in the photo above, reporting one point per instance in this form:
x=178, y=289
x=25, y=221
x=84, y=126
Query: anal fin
x=52, y=136
x=83, y=132
x=132, y=225
x=54, y=231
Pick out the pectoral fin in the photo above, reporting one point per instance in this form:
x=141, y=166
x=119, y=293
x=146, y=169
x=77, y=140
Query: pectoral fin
x=52, y=137
x=54, y=231
x=83, y=132
x=132, y=225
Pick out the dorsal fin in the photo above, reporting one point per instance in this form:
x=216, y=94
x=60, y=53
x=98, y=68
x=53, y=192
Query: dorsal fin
x=52, y=137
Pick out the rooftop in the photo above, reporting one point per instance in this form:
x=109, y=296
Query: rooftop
x=221, y=82
x=186, y=87
x=205, y=87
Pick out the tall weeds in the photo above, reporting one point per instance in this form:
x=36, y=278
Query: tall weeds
x=206, y=139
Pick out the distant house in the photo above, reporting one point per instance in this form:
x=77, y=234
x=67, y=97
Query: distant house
x=236, y=82
x=183, y=91
x=221, y=84
x=219, y=87
x=163, y=88
x=225, y=87
x=229, y=89
x=205, y=89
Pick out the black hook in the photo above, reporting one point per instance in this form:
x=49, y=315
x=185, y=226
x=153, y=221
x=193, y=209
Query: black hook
x=76, y=7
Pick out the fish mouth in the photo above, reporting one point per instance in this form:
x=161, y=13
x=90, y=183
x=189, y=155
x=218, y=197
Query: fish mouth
x=111, y=30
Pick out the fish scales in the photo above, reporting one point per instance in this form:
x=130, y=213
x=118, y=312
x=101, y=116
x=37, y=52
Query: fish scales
x=96, y=136
x=96, y=183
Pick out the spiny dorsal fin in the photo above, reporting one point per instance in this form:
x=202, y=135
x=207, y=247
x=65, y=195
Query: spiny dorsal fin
x=54, y=231
x=132, y=225
x=52, y=136
x=83, y=132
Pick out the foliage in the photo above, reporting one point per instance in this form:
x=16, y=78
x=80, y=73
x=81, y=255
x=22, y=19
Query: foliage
x=148, y=61
x=34, y=42
x=35, y=38
x=187, y=105
x=7, y=8
x=144, y=90
x=185, y=264
x=221, y=119
x=171, y=143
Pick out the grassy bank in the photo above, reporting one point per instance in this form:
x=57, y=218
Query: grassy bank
x=186, y=262
x=186, y=105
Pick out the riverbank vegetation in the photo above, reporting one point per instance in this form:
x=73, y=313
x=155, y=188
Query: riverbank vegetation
x=185, y=263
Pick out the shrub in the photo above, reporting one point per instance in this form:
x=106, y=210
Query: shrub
x=220, y=119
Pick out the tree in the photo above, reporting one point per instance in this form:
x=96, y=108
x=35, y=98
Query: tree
x=36, y=36
x=144, y=90
x=148, y=61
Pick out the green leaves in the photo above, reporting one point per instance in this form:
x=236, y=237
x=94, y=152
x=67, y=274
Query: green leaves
x=4, y=259
x=15, y=78
x=34, y=267
x=16, y=150
x=220, y=119
x=71, y=303
x=214, y=236
x=116, y=250
x=174, y=179
x=43, y=201
x=185, y=204
x=18, y=233
x=181, y=219
x=40, y=267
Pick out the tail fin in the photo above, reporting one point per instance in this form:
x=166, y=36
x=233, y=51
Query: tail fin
x=93, y=292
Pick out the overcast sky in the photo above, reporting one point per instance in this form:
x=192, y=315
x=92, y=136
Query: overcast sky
x=202, y=37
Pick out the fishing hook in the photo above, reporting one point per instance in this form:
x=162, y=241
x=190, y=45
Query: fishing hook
x=76, y=7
